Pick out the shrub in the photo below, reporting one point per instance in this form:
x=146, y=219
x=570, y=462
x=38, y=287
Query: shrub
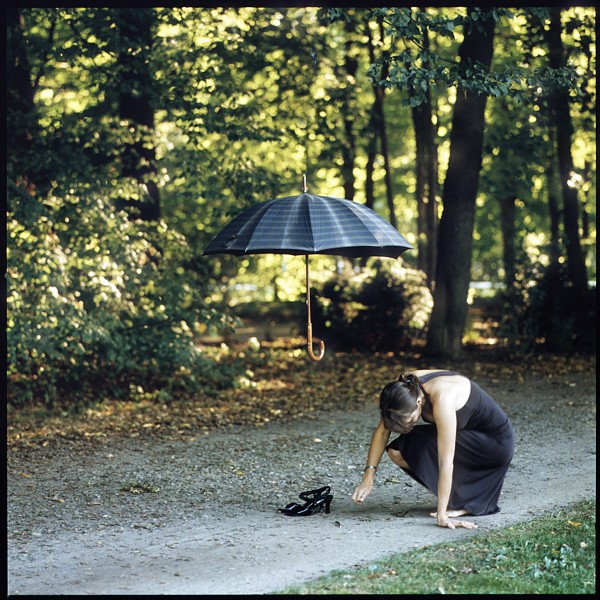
x=99, y=304
x=383, y=306
x=544, y=312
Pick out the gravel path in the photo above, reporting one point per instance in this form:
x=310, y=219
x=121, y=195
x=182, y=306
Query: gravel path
x=141, y=516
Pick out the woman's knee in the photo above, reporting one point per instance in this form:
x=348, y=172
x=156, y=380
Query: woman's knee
x=397, y=458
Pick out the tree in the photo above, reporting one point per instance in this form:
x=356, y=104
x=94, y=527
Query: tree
x=135, y=84
x=371, y=131
x=350, y=65
x=427, y=179
x=380, y=127
x=564, y=130
x=22, y=114
x=379, y=131
x=453, y=269
x=416, y=69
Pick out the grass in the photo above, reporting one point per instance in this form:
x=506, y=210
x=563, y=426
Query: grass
x=553, y=554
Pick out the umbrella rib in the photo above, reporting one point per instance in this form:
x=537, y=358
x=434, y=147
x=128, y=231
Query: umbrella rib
x=310, y=226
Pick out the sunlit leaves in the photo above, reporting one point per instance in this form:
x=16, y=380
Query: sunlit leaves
x=414, y=67
x=97, y=300
x=245, y=101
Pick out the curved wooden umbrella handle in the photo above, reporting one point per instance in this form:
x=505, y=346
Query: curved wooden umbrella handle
x=309, y=336
x=311, y=353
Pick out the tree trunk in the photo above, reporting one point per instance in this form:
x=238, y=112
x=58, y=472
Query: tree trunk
x=455, y=240
x=427, y=185
x=576, y=269
x=369, y=183
x=380, y=128
x=21, y=110
x=379, y=115
x=19, y=88
x=389, y=194
x=135, y=105
x=349, y=143
x=554, y=211
x=431, y=208
x=507, y=217
x=371, y=133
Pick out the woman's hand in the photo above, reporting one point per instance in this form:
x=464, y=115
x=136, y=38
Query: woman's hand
x=446, y=521
x=362, y=491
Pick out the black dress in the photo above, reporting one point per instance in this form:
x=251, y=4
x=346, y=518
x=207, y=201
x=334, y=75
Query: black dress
x=485, y=444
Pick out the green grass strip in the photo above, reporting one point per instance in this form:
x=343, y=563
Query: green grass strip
x=553, y=554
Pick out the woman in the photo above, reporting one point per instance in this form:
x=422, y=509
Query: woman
x=461, y=455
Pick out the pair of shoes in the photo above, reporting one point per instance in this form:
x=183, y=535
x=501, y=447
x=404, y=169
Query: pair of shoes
x=314, y=501
x=307, y=497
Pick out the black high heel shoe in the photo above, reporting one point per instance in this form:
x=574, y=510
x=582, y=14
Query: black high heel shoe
x=314, y=506
x=314, y=494
x=315, y=501
x=307, y=497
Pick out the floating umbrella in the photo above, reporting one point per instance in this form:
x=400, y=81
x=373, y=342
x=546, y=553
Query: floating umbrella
x=308, y=224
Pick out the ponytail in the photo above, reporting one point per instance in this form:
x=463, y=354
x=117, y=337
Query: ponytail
x=414, y=385
x=398, y=399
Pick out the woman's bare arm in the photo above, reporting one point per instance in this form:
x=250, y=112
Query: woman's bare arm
x=444, y=413
x=379, y=441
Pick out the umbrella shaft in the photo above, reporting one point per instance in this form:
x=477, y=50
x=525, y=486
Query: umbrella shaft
x=309, y=336
x=308, y=294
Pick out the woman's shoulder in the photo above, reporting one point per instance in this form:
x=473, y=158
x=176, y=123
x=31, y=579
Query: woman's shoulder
x=448, y=386
x=440, y=372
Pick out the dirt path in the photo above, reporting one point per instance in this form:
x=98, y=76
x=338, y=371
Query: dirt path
x=208, y=521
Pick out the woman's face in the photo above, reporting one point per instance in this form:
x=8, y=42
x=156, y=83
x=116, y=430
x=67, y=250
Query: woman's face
x=410, y=420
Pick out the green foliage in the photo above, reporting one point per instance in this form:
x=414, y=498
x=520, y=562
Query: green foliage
x=417, y=68
x=244, y=101
x=380, y=307
x=99, y=305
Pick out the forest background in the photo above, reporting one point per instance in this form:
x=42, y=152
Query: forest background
x=136, y=134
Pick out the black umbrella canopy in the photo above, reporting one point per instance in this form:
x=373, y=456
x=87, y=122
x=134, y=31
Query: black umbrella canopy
x=308, y=224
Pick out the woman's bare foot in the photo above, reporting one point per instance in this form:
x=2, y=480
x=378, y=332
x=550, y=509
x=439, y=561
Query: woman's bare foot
x=451, y=514
x=458, y=513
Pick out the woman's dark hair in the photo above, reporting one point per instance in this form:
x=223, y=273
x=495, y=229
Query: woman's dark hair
x=398, y=400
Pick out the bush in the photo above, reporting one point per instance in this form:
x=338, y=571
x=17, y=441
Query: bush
x=382, y=307
x=98, y=305
x=543, y=312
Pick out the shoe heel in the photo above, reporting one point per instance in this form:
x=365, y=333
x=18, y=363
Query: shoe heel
x=328, y=503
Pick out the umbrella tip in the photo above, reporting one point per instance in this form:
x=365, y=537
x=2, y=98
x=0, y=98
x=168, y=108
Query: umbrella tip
x=304, y=188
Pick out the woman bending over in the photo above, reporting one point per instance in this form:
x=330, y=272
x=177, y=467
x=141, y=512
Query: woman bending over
x=461, y=454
